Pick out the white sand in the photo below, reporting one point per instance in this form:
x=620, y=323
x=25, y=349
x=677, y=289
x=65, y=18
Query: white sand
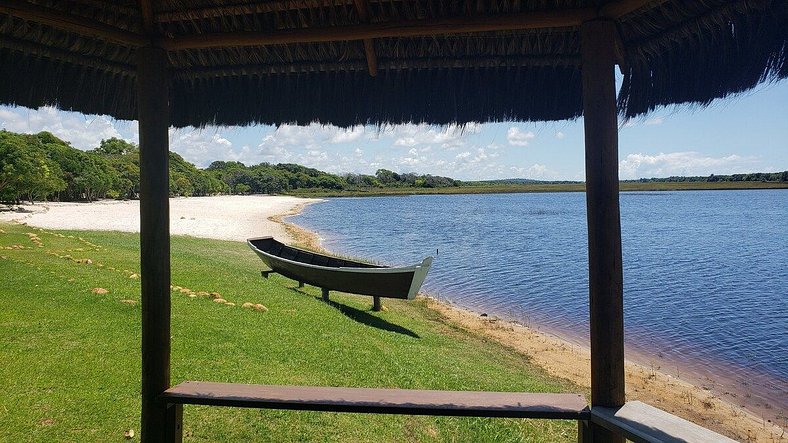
x=220, y=217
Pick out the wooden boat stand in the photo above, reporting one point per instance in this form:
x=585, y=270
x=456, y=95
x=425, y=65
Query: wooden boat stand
x=376, y=303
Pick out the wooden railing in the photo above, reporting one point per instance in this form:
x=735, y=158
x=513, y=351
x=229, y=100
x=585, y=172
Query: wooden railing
x=635, y=421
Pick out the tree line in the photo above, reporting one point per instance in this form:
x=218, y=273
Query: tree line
x=44, y=167
x=749, y=177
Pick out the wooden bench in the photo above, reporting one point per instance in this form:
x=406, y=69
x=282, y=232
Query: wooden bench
x=642, y=423
x=376, y=401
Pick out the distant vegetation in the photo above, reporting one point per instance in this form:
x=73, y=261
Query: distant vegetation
x=44, y=167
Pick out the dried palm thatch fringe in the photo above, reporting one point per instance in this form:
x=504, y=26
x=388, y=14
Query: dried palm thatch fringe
x=716, y=56
x=675, y=52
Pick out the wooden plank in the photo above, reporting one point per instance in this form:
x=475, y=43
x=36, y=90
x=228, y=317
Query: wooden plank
x=381, y=401
x=606, y=307
x=412, y=28
x=153, y=115
x=640, y=422
x=70, y=23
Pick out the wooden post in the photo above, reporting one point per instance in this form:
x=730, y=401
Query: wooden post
x=604, y=225
x=584, y=434
x=376, y=305
x=174, y=429
x=325, y=294
x=300, y=284
x=153, y=115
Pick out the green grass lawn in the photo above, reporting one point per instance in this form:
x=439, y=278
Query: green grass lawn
x=71, y=357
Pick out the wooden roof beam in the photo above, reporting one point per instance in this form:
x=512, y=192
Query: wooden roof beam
x=244, y=9
x=70, y=23
x=362, y=7
x=413, y=28
x=613, y=9
x=365, y=31
x=620, y=8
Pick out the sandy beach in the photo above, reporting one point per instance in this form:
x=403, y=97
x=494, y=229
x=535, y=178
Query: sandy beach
x=231, y=217
x=240, y=217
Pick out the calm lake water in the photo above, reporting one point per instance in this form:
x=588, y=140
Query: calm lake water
x=705, y=273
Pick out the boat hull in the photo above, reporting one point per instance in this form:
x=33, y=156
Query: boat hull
x=337, y=274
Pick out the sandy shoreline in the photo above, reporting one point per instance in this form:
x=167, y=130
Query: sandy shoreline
x=241, y=217
x=231, y=217
x=565, y=358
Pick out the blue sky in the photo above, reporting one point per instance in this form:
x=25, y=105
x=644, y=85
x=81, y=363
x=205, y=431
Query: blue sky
x=746, y=133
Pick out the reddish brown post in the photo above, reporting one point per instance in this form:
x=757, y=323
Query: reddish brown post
x=153, y=115
x=604, y=225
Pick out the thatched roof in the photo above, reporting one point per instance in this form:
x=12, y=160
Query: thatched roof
x=436, y=61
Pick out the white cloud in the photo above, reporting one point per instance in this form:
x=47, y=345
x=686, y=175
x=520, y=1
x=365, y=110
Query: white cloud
x=651, y=121
x=516, y=137
x=560, y=135
x=347, y=135
x=317, y=155
x=536, y=171
x=202, y=146
x=82, y=131
x=681, y=163
x=449, y=137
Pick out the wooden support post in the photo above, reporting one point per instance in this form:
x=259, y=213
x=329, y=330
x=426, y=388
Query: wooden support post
x=175, y=421
x=300, y=284
x=376, y=305
x=584, y=434
x=325, y=294
x=604, y=225
x=153, y=115
x=265, y=274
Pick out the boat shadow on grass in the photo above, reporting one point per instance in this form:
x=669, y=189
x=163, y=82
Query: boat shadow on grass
x=366, y=318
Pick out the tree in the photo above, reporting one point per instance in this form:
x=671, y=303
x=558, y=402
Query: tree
x=116, y=147
x=25, y=170
x=387, y=177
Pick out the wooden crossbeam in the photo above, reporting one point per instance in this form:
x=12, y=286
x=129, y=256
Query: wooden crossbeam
x=411, y=28
x=365, y=31
x=244, y=9
x=71, y=23
x=620, y=8
x=38, y=50
x=613, y=9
